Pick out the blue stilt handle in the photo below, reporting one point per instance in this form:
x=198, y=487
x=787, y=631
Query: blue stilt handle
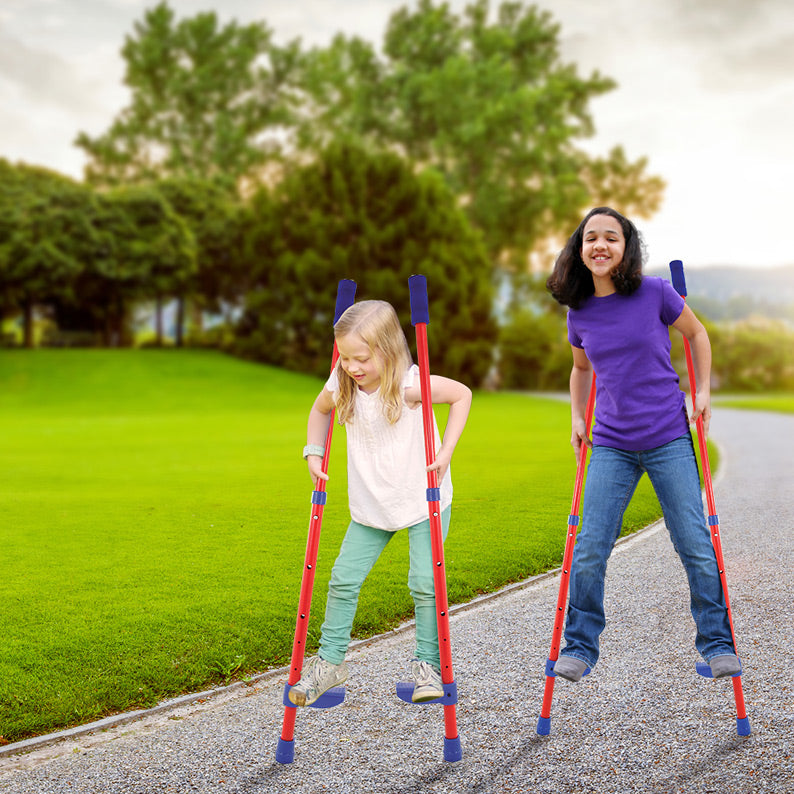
x=420, y=310
x=677, y=277
x=345, y=297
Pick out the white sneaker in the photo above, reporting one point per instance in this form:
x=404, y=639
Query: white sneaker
x=428, y=682
x=317, y=677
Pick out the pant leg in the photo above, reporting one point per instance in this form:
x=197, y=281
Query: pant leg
x=422, y=587
x=673, y=471
x=612, y=478
x=360, y=549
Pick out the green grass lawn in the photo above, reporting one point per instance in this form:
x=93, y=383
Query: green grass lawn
x=780, y=403
x=153, y=516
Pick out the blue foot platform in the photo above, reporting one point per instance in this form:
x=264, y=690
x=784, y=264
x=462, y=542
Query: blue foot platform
x=704, y=669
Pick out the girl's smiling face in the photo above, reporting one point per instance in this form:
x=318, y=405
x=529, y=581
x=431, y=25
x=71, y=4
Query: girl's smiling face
x=359, y=361
x=603, y=246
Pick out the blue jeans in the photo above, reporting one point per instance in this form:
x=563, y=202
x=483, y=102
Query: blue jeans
x=612, y=477
x=360, y=549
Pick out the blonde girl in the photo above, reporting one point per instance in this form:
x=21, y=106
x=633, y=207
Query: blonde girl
x=375, y=390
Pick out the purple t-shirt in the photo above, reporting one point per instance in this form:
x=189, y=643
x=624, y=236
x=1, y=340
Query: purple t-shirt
x=639, y=404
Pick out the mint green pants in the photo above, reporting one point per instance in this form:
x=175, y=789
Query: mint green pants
x=360, y=549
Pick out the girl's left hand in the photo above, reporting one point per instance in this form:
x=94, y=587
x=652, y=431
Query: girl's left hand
x=702, y=409
x=440, y=465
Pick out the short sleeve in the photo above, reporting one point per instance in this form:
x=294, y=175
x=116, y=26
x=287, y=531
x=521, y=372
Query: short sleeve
x=672, y=303
x=332, y=384
x=573, y=337
x=410, y=376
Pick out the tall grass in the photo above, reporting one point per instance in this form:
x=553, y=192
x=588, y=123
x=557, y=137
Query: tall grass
x=153, y=515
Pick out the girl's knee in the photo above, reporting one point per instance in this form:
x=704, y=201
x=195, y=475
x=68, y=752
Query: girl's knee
x=422, y=589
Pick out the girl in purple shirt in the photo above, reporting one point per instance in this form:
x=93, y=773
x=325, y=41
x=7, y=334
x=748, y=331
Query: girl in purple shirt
x=618, y=325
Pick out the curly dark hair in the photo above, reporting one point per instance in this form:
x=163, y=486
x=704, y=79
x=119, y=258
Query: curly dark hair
x=571, y=282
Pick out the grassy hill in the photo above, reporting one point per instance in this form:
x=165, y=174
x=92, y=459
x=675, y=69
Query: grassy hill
x=153, y=517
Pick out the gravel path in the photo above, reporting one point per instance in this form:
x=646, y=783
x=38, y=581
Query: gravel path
x=644, y=721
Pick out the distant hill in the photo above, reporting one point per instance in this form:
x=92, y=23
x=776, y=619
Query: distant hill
x=735, y=293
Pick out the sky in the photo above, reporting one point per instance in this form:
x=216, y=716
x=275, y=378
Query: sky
x=705, y=93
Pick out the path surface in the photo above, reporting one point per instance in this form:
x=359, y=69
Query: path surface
x=642, y=722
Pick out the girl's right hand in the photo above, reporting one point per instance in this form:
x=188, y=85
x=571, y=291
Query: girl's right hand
x=579, y=437
x=316, y=469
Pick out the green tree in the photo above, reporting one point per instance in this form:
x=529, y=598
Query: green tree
x=367, y=216
x=215, y=219
x=534, y=353
x=488, y=104
x=144, y=251
x=203, y=97
x=45, y=235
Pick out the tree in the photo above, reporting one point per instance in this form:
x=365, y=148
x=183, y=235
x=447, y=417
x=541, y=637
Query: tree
x=203, y=97
x=363, y=215
x=144, y=250
x=45, y=235
x=489, y=105
x=214, y=218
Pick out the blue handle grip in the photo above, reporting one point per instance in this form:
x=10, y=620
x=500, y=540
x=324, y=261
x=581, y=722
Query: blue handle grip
x=345, y=296
x=677, y=274
x=417, y=288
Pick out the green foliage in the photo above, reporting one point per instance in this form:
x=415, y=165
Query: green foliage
x=144, y=250
x=203, y=96
x=45, y=233
x=490, y=105
x=155, y=508
x=753, y=356
x=365, y=216
x=534, y=353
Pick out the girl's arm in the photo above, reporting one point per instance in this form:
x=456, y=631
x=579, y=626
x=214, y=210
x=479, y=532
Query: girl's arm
x=698, y=337
x=316, y=432
x=581, y=379
x=458, y=397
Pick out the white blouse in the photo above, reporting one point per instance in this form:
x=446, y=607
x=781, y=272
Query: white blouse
x=387, y=481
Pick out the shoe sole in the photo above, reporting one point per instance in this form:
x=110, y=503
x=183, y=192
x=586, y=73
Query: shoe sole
x=423, y=698
x=300, y=699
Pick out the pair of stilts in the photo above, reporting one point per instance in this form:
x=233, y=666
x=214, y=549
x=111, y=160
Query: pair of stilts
x=452, y=748
x=420, y=317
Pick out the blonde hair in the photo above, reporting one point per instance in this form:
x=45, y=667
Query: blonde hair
x=377, y=324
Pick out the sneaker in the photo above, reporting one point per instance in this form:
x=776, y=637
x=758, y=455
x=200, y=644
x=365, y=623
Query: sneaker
x=570, y=667
x=428, y=682
x=317, y=677
x=726, y=664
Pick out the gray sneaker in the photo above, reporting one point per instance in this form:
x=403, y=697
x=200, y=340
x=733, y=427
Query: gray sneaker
x=428, y=682
x=724, y=665
x=317, y=677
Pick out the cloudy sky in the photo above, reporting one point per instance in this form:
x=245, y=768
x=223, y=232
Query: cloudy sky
x=705, y=92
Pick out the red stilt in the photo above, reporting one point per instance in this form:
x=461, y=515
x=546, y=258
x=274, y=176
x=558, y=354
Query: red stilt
x=544, y=721
x=285, y=751
x=742, y=720
x=420, y=317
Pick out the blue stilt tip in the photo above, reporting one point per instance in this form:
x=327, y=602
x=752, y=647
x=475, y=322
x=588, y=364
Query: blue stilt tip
x=452, y=749
x=285, y=752
x=743, y=726
x=544, y=726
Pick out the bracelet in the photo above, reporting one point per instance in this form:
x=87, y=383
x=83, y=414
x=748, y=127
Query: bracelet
x=313, y=449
